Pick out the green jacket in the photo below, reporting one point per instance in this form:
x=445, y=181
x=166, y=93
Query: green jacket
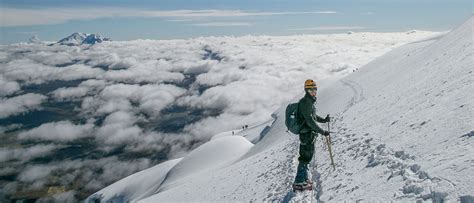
x=307, y=112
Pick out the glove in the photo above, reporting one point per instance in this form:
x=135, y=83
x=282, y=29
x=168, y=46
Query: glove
x=326, y=133
x=328, y=119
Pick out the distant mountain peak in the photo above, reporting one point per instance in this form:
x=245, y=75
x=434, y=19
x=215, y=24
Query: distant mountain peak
x=78, y=38
x=34, y=39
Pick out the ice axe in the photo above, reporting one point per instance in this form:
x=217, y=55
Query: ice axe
x=328, y=142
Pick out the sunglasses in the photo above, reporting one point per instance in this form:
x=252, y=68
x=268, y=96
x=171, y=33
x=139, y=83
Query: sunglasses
x=313, y=90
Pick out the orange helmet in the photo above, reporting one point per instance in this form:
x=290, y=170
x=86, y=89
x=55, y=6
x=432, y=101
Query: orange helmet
x=310, y=84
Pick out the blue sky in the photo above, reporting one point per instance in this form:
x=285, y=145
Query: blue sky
x=175, y=19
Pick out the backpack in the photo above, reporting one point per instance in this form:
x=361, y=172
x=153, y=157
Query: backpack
x=291, y=118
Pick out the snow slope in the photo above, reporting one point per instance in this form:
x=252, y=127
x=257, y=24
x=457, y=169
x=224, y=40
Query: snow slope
x=138, y=185
x=199, y=163
x=403, y=131
x=406, y=133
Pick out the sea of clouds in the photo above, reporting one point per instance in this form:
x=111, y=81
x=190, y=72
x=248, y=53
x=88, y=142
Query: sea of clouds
x=120, y=107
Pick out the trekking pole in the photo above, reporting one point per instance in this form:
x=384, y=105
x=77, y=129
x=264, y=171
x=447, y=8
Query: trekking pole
x=328, y=142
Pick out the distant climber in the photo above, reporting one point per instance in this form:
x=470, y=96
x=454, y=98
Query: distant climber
x=306, y=113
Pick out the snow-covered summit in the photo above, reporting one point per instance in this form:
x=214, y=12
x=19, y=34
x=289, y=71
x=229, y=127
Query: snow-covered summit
x=78, y=38
x=94, y=38
x=403, y=128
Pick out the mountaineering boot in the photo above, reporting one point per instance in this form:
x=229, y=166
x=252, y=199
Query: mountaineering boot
x=301, y=179
x=302, y=186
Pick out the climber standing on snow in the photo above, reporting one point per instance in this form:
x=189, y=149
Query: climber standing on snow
x=306, y=113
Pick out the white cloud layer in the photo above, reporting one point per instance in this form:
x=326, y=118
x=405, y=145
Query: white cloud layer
x=8, y=87
x=62, y=131
x=30, y=71
x=85, y=88
x=20, y=104
x=244, y=79
x=151, y=99
x=25, y=154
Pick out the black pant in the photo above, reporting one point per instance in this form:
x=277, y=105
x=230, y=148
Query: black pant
x=306, y=147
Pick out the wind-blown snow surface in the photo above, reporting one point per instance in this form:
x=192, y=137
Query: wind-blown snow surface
x=403, y=128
